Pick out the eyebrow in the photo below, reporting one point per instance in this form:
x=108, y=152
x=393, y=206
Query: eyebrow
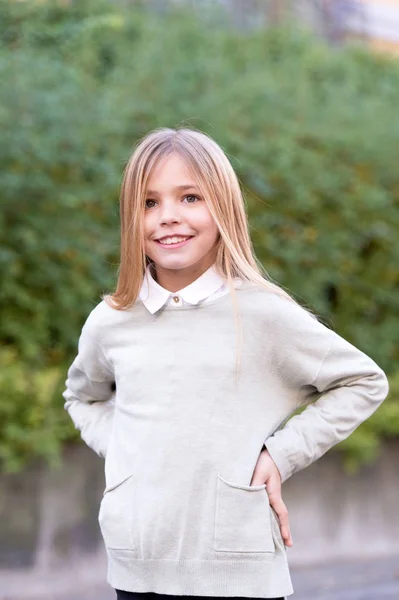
x=178, y=188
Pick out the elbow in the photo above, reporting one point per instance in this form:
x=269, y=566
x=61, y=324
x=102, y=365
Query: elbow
x=385, y=384
x=380, y=386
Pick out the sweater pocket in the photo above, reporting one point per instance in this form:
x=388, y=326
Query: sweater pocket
x=116, y=515
x=242, y=518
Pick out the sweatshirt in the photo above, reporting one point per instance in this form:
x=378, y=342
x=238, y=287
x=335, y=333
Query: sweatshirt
x=181, y=435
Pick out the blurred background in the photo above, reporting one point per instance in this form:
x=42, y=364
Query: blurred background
x=303, y=97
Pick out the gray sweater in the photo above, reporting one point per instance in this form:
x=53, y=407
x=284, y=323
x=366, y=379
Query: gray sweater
x=181, y=437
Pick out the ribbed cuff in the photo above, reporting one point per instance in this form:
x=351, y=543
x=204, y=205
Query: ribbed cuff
x=281, y=461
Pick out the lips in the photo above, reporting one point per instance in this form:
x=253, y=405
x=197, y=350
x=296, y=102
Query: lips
x=176, y=245
x=172, y=236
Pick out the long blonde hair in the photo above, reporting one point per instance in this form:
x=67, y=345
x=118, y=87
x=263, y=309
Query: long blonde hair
x=221, y=190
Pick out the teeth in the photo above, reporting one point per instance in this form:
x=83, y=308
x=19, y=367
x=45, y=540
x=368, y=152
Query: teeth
x=172, y=240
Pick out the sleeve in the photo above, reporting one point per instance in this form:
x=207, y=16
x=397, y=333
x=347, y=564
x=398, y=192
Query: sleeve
x=352, y=386
x=89, y=396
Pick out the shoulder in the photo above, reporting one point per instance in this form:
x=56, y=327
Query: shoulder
x=285, y=322
x=98, y=314
x=273, y=306
x=103, y=317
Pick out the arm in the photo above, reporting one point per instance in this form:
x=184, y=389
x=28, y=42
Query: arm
x=351, y=384
x=88, y=394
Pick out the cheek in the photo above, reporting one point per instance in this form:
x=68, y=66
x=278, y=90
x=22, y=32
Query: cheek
x=206, y=224
x=147, y=225
x=212, y=230
x=148, y=230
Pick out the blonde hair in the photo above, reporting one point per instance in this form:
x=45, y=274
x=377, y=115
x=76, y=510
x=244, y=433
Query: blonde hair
x=219, y=186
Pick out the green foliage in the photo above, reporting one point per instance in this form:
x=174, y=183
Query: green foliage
x=311, y=132
x=31, y=422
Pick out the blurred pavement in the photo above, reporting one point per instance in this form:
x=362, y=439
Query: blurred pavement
x=360, y=580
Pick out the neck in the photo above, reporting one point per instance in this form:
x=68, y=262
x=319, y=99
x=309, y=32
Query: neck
x=177, y=279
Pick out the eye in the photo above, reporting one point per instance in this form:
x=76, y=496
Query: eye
x=190, y=196
x=146, y=206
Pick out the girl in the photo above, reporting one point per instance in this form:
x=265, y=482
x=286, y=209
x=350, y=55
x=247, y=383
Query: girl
x=184, y=377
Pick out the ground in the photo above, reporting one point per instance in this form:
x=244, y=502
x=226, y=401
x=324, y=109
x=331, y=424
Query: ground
x=376, y=579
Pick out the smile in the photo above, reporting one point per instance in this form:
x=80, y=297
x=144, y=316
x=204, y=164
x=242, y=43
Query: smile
x=170, y=243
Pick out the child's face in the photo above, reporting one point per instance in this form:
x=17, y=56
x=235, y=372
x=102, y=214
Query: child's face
x=170, y=211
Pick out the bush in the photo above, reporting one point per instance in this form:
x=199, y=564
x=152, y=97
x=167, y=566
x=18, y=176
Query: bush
x=310, y=131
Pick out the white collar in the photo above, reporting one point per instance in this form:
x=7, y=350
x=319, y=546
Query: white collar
x=154, y=296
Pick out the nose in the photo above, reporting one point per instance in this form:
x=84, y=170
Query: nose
x=169, y=213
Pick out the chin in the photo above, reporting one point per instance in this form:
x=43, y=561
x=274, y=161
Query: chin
x=174, y=266
x=177, y=265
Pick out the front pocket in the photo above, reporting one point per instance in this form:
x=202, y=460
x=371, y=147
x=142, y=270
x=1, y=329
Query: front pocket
x=116, y=515
x=242, y=518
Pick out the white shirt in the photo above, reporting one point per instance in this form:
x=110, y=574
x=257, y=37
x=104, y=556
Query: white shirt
x=208, y=286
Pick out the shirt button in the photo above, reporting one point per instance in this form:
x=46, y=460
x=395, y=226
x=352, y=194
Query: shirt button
x=176, y=298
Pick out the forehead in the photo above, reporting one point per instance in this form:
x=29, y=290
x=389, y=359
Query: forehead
x=171, y=171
